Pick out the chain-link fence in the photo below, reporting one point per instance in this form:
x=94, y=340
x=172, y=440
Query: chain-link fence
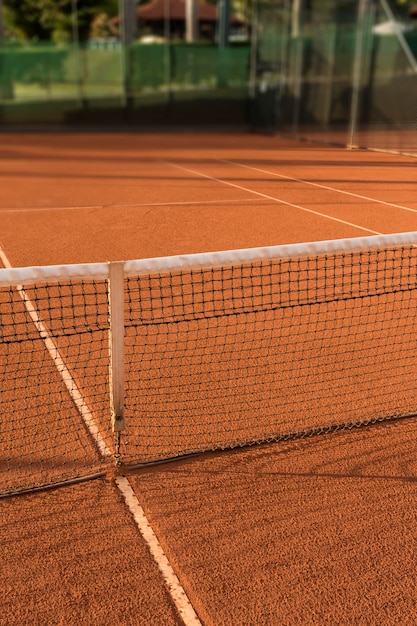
x=137, y=83
x=337, y=72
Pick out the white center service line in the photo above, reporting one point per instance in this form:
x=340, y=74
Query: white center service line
x=278, y=200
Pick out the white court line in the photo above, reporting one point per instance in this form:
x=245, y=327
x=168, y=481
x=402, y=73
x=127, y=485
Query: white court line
x=266, y=196
x=320, y=186
x=59, y=363
x=176, y=591
x=172, y=582
x=123, y=206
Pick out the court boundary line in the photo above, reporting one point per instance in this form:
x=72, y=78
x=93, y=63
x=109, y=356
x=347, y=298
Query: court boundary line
x=119, y=206
x=320, y=186
x=61, y=367
x=172, y=583
x=277, y=200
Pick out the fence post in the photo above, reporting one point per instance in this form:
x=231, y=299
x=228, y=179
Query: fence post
x=1, y=21
x=128, y=35
x=357, y=69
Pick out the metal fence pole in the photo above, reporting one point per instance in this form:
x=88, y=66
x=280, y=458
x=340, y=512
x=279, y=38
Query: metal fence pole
x=77, y=52
x=1, y=21
x=223, y=22
x=298, y=40
x=363, y=11
x=128, y=34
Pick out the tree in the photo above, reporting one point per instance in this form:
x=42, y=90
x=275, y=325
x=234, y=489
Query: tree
x=53, y=19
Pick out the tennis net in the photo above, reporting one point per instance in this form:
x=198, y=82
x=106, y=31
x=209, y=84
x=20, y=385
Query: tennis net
x=142, y=361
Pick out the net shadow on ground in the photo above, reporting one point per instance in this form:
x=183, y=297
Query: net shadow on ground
x=318, y=531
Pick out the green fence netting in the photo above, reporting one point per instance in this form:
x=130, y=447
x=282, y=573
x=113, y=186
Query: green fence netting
x=127, y=81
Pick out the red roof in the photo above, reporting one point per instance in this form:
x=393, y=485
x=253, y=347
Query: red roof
x=156, y=10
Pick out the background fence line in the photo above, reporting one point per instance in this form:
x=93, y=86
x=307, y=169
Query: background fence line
x=138, y=83
x=342, y=76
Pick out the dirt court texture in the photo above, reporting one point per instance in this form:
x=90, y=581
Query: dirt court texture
x=313, y=531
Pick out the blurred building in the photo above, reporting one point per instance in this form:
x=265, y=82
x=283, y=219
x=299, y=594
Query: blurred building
x=166, y=19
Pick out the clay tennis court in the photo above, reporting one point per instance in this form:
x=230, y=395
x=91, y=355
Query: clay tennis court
x=313, y=531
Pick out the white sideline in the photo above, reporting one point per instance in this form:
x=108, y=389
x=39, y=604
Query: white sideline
x=59, y=363
x=175, y=589
x=320, y=186
x=278, y=200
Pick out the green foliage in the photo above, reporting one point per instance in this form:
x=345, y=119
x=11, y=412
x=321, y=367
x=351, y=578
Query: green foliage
x=40, y=20
x=102, y=28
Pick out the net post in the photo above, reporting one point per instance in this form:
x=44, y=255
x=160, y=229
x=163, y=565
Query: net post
x=116, y=346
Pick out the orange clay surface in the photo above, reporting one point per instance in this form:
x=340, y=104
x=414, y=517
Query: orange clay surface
x=319, y=531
